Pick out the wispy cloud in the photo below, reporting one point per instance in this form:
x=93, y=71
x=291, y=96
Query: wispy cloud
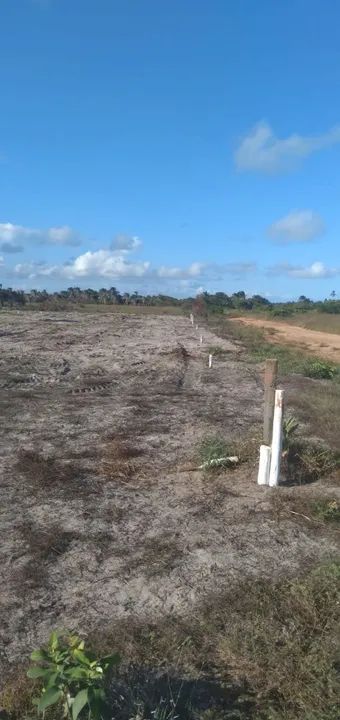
x=316, y=271
x=126, y=243
x=262, y=151
x=11, y=247
x=297, y=227
x=13, y=237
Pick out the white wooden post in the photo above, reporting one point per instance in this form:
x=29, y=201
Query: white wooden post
x=264, y=465
x=277, y=439
x=201, y=339
x=191, y=318
x=196, y=327
x=210, y=360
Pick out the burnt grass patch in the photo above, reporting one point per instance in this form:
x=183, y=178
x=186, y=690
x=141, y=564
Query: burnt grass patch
x=46, y=472
x=43, y=546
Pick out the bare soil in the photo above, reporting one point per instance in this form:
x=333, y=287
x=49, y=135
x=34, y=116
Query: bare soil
x=315, y=342
x=103, y=515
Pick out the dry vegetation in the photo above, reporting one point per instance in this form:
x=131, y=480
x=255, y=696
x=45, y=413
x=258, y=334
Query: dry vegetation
x=222, y=597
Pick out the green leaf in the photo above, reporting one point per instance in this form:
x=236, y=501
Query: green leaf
x=97, y=703
x=36, y=672
x=39, y=655
x=50, y=697
x=80, y=655
x=79, y=702
x=52, y=679
x=76, y=673
x=54, y=640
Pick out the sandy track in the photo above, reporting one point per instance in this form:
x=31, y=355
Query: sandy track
x=315, y=342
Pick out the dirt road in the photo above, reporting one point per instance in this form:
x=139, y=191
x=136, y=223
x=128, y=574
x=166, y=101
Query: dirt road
x=315, y=342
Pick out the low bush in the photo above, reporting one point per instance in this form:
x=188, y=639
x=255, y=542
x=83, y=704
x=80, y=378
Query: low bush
x=320, y=370
x=307, y=462
x=328, y=510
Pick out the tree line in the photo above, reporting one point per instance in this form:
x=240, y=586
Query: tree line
x=205, y=302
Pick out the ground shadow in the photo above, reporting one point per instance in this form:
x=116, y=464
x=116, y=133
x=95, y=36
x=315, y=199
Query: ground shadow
x=150, y=694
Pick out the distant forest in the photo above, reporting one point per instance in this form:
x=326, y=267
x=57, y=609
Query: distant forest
x=205, y=303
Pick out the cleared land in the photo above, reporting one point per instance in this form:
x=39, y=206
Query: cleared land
x=104, y=515
x=316, y=342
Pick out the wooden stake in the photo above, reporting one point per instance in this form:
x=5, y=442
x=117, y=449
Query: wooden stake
x=201, y=340
x=277, y=439
x=270, y=379
x=264, y=465
x=210, y=360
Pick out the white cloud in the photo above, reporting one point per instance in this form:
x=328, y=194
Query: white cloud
x=262, y=151
x=104, y=263
x=298, y=226
x=98, y=264
x=115, y=264
x=317, y=270
x=13, y=236
x=126, y=243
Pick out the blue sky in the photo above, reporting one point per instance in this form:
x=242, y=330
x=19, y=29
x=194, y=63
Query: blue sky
x=168, y=146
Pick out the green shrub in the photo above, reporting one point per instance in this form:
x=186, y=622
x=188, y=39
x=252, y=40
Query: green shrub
x=213, y=447
x=320, y=370
x=307, y=462
x=328, y=510
x=70, y=676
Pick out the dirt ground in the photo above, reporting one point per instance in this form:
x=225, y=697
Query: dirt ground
x=102, y=512
x=321, y=344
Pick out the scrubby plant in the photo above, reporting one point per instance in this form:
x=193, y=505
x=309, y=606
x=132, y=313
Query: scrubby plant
x=212, y=448
x=307, y=462
x=71, y=677
x=290, y=428
x=328, y=510
x=320, y=370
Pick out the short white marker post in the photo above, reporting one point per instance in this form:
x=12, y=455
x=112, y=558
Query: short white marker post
x=264, y=465
x=201, y=339
x=277, y=439
x=191, y=318
x=210, y=360
x=196, y=327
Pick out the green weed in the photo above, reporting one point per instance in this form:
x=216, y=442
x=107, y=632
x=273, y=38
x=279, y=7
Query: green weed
x=320, y=370
x=70, y=677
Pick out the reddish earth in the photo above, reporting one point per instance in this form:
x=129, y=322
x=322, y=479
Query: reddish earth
x=316, y=342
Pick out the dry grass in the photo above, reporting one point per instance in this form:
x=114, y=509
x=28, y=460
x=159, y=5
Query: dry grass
x=317, y=405
x=321, y=512
x=278, y=639
x=158, y=555
x=119, y=460
x=324, y=322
